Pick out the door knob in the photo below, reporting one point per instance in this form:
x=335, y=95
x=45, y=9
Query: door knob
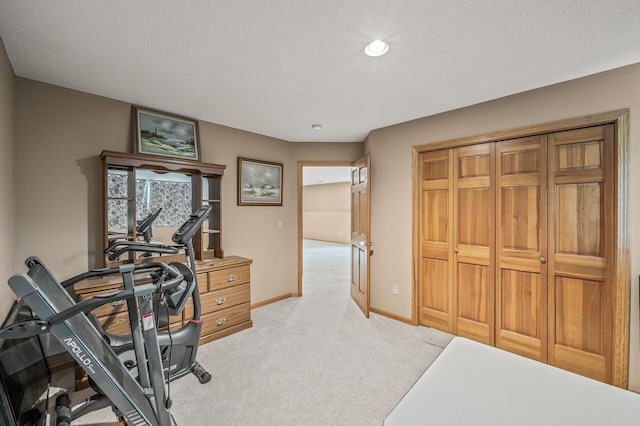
x=543, y=260
x=455, y=250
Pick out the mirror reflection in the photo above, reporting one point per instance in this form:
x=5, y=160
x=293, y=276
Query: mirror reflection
x=162, y=202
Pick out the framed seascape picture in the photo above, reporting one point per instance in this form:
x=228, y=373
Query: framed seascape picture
x=159, y=133
x=259, y=183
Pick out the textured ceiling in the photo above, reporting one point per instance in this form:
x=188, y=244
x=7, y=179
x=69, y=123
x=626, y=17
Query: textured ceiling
x=277, y=67
x=320, y=175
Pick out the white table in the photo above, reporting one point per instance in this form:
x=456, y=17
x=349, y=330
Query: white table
x=475, y=384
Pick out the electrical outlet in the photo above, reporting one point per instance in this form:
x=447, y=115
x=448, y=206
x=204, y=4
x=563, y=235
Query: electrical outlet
x=394, y=289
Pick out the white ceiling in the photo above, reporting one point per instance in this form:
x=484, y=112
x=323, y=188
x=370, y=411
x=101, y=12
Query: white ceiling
x=320, y=175
x=275, y=67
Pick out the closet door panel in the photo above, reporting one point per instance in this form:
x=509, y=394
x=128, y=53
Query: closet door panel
x=521, y=270
x=474, y=307
x=436, y=295
x=474, y=218
x=579, y=219
x=521, y=324
x=579, y=334
x=580, y=197
x=474, y=238
x=435, y=288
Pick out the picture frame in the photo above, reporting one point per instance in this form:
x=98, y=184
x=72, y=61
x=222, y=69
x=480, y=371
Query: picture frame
x=259, y=182
x=165, y=135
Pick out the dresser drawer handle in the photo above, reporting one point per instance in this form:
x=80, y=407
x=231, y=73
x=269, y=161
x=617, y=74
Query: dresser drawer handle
x=221, y=301
x=118, y=303
x=231, y=278
x=221, y=321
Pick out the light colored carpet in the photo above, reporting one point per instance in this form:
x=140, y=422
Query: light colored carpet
x=313, y=360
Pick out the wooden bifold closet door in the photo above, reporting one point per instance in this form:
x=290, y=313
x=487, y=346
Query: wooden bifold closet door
x=457, y=241
x=515, y=245
x=436, y=239
x=473, y=242
x=521, y=264
x=581, y=238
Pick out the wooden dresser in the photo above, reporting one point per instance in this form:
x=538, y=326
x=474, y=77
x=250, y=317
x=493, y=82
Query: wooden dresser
x=224, y=285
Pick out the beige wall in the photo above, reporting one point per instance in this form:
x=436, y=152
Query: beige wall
x=326, y=212
x=391, y=149
x=326, y=152
x=7, y=241
x=60, y=134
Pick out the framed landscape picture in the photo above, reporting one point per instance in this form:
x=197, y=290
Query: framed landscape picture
x=259, y=183
x=159, y=133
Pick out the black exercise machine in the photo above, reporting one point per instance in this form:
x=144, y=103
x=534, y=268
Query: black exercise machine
x=137, y=389
x=179, y=347
x=142, y=400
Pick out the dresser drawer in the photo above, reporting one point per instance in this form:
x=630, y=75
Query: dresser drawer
x=229, y=277
x=225, y=318
x=220, y=299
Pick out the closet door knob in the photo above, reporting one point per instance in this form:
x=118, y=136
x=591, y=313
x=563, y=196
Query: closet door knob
x=543, y=260
x=455, y=250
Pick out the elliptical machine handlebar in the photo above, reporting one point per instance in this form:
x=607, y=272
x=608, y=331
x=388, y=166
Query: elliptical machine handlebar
x=118, y=248
x=169, y=277
x=97, y=273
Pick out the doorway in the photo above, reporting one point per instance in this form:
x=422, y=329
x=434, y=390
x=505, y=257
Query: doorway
x=324, y=216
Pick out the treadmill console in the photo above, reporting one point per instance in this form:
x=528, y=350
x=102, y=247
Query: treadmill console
x=189, y=228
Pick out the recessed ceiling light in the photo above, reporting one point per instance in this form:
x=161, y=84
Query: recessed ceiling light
x=316, y=126
x=376, y=48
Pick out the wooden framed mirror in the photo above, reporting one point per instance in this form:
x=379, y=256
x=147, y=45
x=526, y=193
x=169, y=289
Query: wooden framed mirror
x=147, y=198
